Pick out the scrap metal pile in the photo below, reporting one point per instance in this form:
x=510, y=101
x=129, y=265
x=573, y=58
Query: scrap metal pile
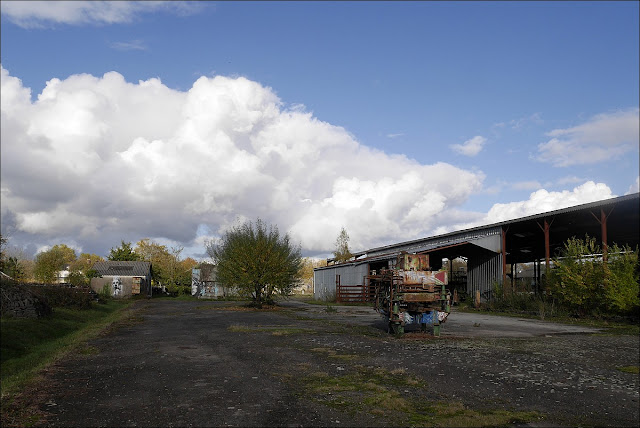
x=411, y=293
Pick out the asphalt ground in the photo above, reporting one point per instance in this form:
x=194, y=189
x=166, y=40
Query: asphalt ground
x=208, y=363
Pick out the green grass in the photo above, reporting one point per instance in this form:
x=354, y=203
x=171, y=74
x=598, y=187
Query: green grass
x=29, y=345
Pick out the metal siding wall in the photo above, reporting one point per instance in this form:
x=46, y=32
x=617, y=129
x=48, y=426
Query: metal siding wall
x=324, y=280
x=484, y=269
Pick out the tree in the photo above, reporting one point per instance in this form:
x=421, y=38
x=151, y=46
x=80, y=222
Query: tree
x=342, y=253
x=81, y=271
x=184, y=271
x=85, y=262
x=158, y=255
x=149, y=250
x=306, y=272
x=50, y=262
x=167, y=267
x=183, y=275
x=3, y=244
x=14, y=268
x=257, y=260
x=123, y=253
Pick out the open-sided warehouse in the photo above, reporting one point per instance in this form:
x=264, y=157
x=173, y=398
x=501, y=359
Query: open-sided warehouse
x=493, y=251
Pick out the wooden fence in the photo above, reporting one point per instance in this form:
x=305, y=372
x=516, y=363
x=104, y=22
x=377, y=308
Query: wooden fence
x=353, y=293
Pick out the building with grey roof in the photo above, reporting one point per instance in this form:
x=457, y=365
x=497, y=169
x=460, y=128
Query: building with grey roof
x=123, y=278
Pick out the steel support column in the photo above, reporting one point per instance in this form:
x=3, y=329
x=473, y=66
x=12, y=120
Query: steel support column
x=603, y=229
x=504, y=260
x=547, y=247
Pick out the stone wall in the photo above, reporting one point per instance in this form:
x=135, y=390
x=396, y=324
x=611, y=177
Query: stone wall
x=18, y=301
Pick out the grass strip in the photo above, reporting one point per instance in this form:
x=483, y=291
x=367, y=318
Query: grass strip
x=30, y=345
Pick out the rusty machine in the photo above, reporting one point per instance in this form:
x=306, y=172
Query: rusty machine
x=410, y=293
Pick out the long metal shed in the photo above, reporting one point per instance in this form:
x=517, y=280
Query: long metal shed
x=492, y=250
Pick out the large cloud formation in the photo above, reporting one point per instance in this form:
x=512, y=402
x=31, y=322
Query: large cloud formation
x=99, y=159
x=539, y=202
x=603, y=137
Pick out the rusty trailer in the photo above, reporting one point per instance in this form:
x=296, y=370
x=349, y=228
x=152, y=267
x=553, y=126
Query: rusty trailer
x=410, y=293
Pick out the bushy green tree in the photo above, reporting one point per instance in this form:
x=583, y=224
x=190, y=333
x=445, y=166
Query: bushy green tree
x=123, y=253
x=621, y=280
x=257, y=260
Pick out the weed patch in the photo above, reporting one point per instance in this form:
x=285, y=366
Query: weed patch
x=274, y=330
x=241, y=308
x=629, y=369
x=398, y=397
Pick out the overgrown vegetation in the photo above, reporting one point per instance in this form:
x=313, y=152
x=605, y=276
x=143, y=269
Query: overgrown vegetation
x=581, y=284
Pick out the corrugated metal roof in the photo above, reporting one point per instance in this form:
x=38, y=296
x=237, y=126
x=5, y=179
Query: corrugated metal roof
x=488, y=227
x=113, y=268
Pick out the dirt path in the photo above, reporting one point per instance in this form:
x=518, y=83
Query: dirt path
x=185, y=363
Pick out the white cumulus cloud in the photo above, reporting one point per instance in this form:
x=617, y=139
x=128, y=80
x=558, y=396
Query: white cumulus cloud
x=37, y=14
x=470, y=147
x=95, y=160
x=542, y=200
x=605, y=137
x=539, y=202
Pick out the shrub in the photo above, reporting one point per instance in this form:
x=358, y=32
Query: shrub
x=584, y=283
x=106, y=293
x=257, y=260
x=523, y=302
x=621, y=280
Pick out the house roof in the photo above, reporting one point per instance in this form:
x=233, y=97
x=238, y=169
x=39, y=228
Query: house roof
x=112, y=268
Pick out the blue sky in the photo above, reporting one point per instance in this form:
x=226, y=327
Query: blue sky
x=403, y=118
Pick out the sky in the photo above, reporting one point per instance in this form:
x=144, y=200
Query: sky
x=175, y=121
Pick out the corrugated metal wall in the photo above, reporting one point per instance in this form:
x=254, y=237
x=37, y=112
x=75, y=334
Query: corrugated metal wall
x=484, y=269
x=324, y=279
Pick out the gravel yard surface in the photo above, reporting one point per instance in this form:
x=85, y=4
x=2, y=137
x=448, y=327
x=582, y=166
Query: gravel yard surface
x=209, y=363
